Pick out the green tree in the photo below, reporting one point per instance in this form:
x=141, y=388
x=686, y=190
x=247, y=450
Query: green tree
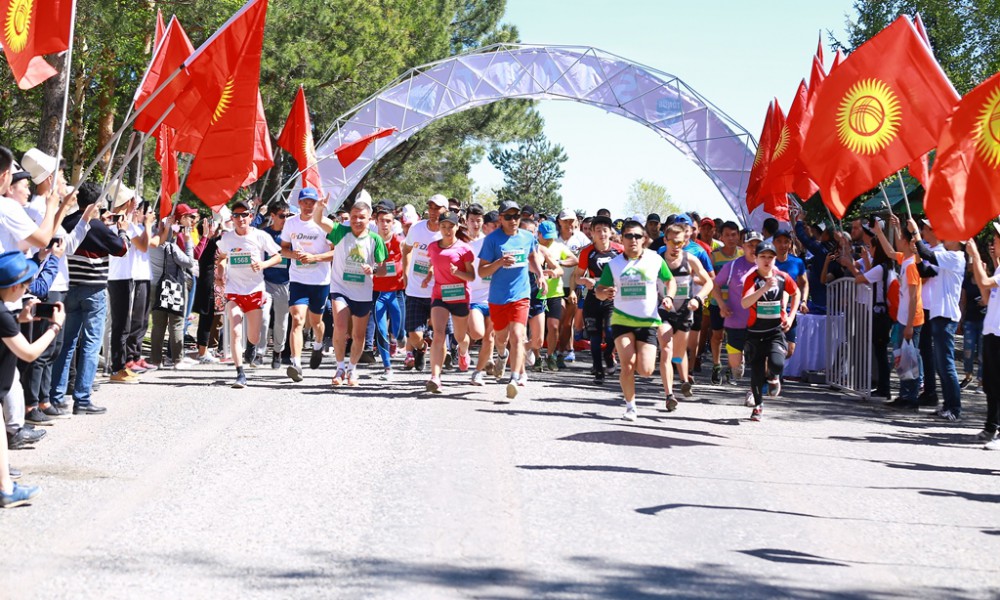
x=532, y=172
x=645, y=197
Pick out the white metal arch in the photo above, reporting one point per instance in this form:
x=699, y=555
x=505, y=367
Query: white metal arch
x=720, y=146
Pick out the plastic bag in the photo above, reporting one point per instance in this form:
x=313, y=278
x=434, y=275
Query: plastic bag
x=907, y=360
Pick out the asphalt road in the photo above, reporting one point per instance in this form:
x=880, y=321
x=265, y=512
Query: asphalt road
x=190, y=489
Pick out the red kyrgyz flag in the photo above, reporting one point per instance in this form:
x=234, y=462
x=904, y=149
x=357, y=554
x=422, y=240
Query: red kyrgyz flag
x=173, y=47
x=263, y=154
x=838, y=59
x=297, y=139
x=351, y=151
x=964, y=190
x=875, y=113
x=161, y=29
x=32, y=29
x=166, y=156
x=785, y=160
x=819, y=49
x=919, y=169
x=771, y=141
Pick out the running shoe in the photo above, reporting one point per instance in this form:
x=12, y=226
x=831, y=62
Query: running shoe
x=339, y=378
x=241, y=380
x=610, y=363
x=408, y=361
x=145, y=365
x=671, y=403
x=599, y=378
x=386, y=374
x=512, y=389
x=433, y=385
x=21, y=494
x=570, y=356
x=985, y=436
x=275, y=360
x=367, y=357
x=756, y=414
x=741, y=371
x=630, y=414
x=316, y=359
x=134, y=368
x=447, y=360
x=716, y=374
x=463, y=362
x=207, y=359
x=749, y=402
x=947, y=415
x=686, y=388
x=352, y=378
x=37, y=417
x=774, y=387
x=560, y=362
x=393, y=348
x=522, y=380
x=419, y=360
x=964, y=384
x=489, y=367
x=530, y=358
x=552, y=363
x=992, y=445
x=500, y=367
x=478, y=378
x=295, y=373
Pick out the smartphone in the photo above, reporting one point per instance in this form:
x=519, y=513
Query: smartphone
x=53, y=242
x=43, y=310
x=118, y=218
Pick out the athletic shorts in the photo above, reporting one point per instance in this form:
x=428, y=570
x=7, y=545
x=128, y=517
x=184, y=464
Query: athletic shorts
x=718, y=321
x=646, y=335
x=358, y=308
x=455, y=309
x=535, y=307
x=554, y=308
x=249, y=302
x=418, y=312
x=597, y=316
x=315, y=296
x=512, y=312
x=482, y=307
x=736, y=340
x=680, y=320
x=793, y=332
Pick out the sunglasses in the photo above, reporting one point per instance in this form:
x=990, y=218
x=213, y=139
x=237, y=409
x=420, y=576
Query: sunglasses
x=511, y=217
x=241, y=215
x=283, y=215
x=633, y=236
x=675, y=243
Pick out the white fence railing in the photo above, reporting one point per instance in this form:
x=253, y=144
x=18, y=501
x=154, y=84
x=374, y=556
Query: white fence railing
x=849, y=337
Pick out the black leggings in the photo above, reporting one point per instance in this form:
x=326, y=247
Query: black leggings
x=881, y=326
x=765, y=353
x=597, y=320
x=991, y=381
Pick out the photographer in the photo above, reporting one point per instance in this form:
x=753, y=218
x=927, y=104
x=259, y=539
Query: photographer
x=171, y=257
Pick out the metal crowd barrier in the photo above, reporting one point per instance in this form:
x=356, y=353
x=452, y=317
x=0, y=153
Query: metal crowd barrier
x=849, y=337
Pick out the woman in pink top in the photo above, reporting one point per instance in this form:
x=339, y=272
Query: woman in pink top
x=452, y=270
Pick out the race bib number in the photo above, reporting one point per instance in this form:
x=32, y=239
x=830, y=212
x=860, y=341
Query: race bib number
x=354, y=273
x=421, y=268
x=240, y=259
x=520, y=258
x=284, y=262
x=303, y=265
x=632, y=286
x=390, y=269
x=725, y=292
x=453, y=292
x=769, y=309
x=682, y=290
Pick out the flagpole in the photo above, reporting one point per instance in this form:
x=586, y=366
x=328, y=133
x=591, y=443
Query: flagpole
x=69, y=78
x=905, y=196
x=132, y=153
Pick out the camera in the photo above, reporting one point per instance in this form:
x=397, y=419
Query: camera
x=43, y=310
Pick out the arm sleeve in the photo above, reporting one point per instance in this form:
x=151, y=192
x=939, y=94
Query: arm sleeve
x=381, y=253
x=271, y=247
x=181, y=258
x=927, y=269
x=912, y=276
x=76, y=237
x=873, y=274
x=748, y=283
x=43, y=281
x=925, y=252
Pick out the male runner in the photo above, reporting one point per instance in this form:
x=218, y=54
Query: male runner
x=416, y=264
x=597, y=313
x=480, y=325
x=794, y=267
x=730, y=279
x=572, y=238
x=728, y=252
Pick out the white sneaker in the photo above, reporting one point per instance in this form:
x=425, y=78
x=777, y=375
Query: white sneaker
x=749, y=402
x=511, y=389
x=774, y=387
x=386, y=375
x=531, y=358
x=522, y=379
x=478, y=378
x=992, y=445
x=630, y=414
x=207, y=359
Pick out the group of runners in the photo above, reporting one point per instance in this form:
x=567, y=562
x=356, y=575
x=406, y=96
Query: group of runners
x=513, y=285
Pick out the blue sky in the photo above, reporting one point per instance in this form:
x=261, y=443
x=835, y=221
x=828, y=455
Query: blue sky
x=737, y=54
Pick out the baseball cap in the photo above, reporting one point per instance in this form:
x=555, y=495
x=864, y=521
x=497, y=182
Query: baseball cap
x=528, y=210
x=438, y=200
x=783, y=233
x=308, y=193
x=20, y=176
x=508, y=205
x=240, y=204
x=653, y=217
x=766, y=247
x=449, y=217
x=707, y=221
x=384, y=206
x=683, y=219
x=409, y=215
x=755, y=236
x=601, y=221
x=491, y=217
x=566, y=213
x=547, y=229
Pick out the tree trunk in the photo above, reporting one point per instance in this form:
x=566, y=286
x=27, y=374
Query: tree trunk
x=106, y=115
x=78, y=126
x=52, y=104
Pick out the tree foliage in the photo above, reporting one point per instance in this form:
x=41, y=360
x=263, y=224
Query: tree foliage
x=645, y=197
x=342, y=51
x=532, y=173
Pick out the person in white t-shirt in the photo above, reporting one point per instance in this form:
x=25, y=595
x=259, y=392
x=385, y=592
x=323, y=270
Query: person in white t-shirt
x=121, y=289
x=416, y=264
x=991, y=337
x=480, y=325
x=304, y=243
x=17, y=230
x=242, y=250
x=571, y=237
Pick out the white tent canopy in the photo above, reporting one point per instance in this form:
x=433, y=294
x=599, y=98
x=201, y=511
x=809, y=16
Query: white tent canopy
x=722, y=148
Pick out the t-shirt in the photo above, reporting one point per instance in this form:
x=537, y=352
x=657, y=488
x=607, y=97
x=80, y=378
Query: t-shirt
x=991, y=325
x=766, y=314
x=278, y=274
x=479, y=289
x=447, y=286
x=120, y=267
x=908, y=277
x=241, y=251
x=794, y=267
x=635, y=281
x=719, y=260
x=575, y=243
x=943, y=292
x=592, y=262
x=15, y=225
x=350, y=255
x=875, y=276
x=420, y=237
x=310, y=238
x=730, y=279
x=392, y=281
x=8, y=360
x=558, y=252
x=141, y=269
x=509, y=284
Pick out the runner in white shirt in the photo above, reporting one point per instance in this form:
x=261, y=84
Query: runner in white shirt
x=242, y=251
x=480, y=325
x=416, y=264
x=571, y=237
x=304, y=243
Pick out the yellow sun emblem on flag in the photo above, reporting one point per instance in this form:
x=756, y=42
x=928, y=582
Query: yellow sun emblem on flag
x=307, y=149
x=782, y=143
x=224, y=101
x=757, y=156
x=988, y=136
x=869, y=117
x=17, y=25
